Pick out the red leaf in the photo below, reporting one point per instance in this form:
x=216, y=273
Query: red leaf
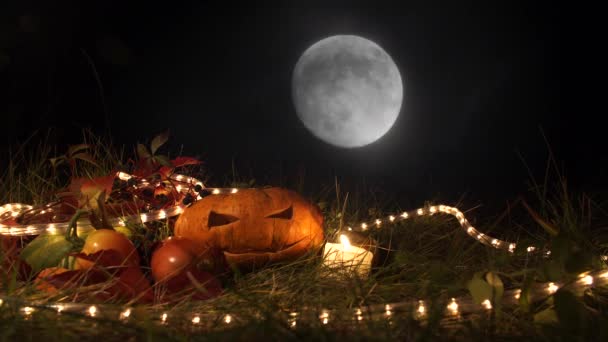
x=144, y=168
x=192, y=282
x=130, y=284
x=68, y=279
x=76, y=185
x=103, y=258
x=183, y=161
x=99, y=184
x=165, y=172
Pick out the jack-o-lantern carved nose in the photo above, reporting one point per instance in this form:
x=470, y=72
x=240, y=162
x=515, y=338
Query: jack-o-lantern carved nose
x=285, y=214
x=218, y=219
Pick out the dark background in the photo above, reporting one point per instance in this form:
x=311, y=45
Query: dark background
x=480, y=82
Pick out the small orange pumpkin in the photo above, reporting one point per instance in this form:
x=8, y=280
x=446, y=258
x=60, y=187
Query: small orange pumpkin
x=254, y=226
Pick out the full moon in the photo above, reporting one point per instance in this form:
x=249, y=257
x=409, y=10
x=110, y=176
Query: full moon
x=347, y=91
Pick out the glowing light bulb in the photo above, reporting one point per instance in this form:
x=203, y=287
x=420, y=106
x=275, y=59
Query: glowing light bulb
x=124, y=176
x=227, y=319
x=453, y=307
x=216, y=191
x=234, y=191
x=511, y=247
x=387, y=309
x=364, y=226
x=391, y=218
x=530, y=249
x=471, y=230
x=143, y=217
x=433, y=209
x=163, y=317
x=421, y=309
x=486, y=304
x=196, y=320
x=28, y=310
x=552, y=288
x=604, y=275
x=126, y=313
x=586, y=279
x=420, y=212
x=517, y=294
x=92, y=310
x=325, y=317
x=405, y=215
x=378, y=222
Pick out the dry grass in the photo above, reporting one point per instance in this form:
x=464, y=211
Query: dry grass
x=427, y=257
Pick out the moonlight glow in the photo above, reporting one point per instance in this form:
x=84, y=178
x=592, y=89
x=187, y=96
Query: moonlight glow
x=347, y=90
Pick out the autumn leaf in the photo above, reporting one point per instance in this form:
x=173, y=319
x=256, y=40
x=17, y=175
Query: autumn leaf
x=142, y=152
x=166, y=171
x=158, y=141
x=91, y=189
x=183, y=161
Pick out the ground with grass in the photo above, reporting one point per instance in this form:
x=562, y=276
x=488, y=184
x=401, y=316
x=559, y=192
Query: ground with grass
x=426, y=258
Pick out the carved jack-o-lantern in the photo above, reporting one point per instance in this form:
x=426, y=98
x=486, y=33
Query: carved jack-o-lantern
x=254, y=226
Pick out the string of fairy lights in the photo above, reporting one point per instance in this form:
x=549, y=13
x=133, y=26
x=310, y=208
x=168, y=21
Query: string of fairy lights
x=454, y=308
x=418, y=308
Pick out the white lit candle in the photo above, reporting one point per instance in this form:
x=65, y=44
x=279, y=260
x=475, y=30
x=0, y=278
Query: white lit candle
x=344, y=256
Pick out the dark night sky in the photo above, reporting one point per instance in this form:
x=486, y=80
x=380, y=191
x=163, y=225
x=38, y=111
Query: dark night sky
x=479, y=82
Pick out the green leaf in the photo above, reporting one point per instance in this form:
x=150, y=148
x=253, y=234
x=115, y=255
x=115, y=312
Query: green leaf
x=547, y=316
x=498, y=288
x=479, y=289
x=159, y=141
x=46, y=251
x=86, y=157
x=163, y=160
x=142, y=152
x=524, y=295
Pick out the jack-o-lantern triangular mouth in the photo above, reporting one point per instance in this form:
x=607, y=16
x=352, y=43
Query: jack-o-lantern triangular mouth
x=285, y=214
x=218, y=219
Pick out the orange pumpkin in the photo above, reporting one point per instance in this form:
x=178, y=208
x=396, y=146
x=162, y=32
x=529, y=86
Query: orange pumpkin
x=254, y=226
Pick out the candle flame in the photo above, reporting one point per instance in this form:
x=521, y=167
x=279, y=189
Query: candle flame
x=345, y=241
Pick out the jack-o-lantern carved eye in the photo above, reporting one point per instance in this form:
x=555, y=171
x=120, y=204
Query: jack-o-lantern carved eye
x=285, y=214
x=217, y=219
